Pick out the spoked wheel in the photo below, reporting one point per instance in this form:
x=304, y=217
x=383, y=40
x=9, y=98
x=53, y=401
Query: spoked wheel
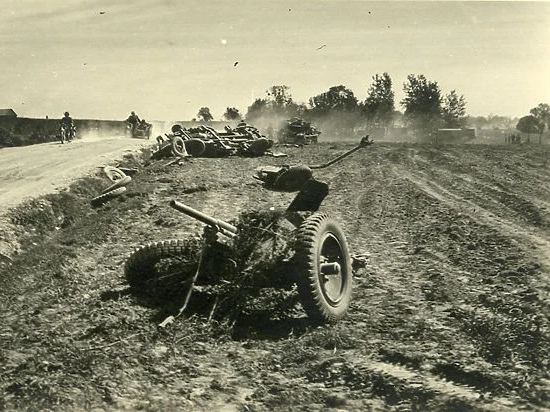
x=323, y=265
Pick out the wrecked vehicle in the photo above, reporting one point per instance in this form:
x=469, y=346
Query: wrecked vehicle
x=204, y=141
x=310, y=254
x=299, y=132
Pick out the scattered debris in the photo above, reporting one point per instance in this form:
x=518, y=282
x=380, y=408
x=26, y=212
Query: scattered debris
x=105, y=197
x=120, y=181
x=113, y=173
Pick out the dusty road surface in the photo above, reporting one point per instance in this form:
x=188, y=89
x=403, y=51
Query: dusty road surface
x=27, y=172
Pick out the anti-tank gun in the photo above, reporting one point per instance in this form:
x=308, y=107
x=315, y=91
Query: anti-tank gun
x=320, y=264
x=291, y=178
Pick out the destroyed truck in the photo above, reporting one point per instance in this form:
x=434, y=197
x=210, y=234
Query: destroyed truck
x=299, y=132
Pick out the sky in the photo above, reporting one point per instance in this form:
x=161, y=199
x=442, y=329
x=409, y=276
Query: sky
x=165, y=59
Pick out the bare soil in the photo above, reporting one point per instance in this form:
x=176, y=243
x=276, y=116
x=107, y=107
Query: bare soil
x=451, y=312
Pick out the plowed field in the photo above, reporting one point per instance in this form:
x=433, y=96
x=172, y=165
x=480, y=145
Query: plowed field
x=450, y=313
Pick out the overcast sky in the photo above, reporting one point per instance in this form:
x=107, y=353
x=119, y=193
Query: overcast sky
x=167, y=58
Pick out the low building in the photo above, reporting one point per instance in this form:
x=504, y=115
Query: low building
x=7, y=113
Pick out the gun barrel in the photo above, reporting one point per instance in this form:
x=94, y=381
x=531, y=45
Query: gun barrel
x=227, y=228
x=364, y=142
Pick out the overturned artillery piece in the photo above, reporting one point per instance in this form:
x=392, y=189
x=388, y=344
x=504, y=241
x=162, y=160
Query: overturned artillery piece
x=204, y=141
x=320, y=265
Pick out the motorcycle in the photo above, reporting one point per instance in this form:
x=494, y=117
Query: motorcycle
x=67, y=133
x=142, y=130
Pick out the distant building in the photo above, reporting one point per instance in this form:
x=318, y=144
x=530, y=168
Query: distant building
x=7, y=113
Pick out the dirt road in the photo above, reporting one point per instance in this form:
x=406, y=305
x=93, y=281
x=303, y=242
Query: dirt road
x=30, y=171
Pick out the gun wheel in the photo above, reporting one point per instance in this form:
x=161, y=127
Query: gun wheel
x=141, y=267
x=324, y=271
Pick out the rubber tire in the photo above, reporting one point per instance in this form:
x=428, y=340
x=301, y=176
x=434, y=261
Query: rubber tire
x=140, y=265
x=101, y=199
x=114, y=174
x=310, y=238
x=195, y=147
x=176, y=128
x=119, y=183
x=259, y=147
x=178, y=147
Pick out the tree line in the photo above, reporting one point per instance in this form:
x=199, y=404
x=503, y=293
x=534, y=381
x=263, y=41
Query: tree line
x=425, y=108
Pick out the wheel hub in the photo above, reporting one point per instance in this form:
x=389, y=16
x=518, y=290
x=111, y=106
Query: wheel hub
x=332, y=281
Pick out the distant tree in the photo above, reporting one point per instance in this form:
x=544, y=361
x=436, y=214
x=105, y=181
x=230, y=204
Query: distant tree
x=500, y=122
x=232, y=113
x=530, y=125
x=204, y=114
x=336, y=110
x=542, y=113
x=422, y=103
x=478, y=122
x=398, y=118
x=256, y=110
x=277, y=104
x=336, y=99
x=454, y=110
x=279, y=96
x=379, y=106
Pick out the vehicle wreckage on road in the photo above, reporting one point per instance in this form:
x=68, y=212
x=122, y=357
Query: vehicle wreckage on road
x=204, y=141
x=316, y=259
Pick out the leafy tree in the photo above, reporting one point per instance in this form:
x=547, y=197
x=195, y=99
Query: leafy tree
x=422, y=103
x=531, y=125
x=336, y=111
x=232, y=113
x=379, y=106
x=542, y=113
x=259, y=108
x=278, y=103
x=454, y=110
x=337, y=98
x=479, y=122
x=500, y=122
x=204, y=114
x=279, y=96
